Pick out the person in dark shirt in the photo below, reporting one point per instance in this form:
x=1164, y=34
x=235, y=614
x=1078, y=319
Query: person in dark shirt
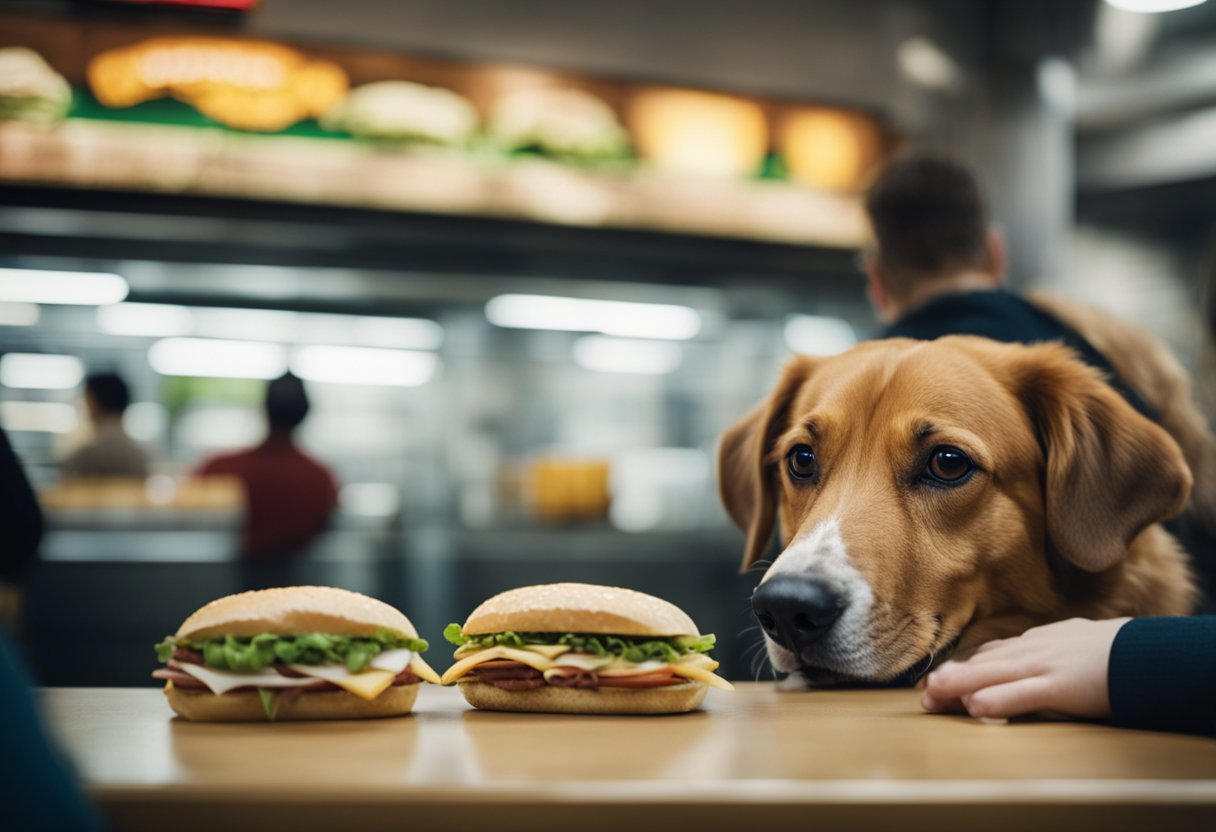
x=20, y=518
x=936, y=267
x=289, y=496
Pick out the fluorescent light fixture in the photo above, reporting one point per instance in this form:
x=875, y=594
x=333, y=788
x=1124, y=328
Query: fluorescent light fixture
x=46, y=417
x=42, y=286
x=234, y=323
x=247, y=324
x=364, y=365
x=818, y=334
x=146, y=421
x=209, y=358
x=370, y=499
x=623, y=355
x=148, y=319
x=398, y=333
x=36, y=371
x=924, y=63
x=611, y=317
x=1153, y=6
x=19, y=314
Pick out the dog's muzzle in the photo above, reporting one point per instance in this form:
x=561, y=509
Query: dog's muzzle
x=797, y=611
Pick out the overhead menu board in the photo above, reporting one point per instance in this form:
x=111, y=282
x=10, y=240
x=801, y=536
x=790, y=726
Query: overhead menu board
x=118, y=107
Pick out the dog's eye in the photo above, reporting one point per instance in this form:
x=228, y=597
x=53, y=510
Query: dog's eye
x=949, y=465
x=802, y=463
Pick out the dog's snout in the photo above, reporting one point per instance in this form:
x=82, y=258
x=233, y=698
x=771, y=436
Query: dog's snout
x=796, y=611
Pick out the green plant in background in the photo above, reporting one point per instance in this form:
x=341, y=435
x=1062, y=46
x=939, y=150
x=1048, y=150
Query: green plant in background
x=180, y=392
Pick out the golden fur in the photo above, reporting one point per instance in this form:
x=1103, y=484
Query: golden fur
x=1151, y=370
x=1059, y=519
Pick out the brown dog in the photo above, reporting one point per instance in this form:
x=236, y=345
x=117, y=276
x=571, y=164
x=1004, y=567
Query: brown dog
x=937, y=495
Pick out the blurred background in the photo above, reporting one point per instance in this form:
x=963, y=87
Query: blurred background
x=529, y=258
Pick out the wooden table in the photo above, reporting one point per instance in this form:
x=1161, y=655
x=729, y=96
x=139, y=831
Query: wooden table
x=822, y=760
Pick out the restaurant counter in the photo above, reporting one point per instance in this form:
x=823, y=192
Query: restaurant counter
x=753, y=759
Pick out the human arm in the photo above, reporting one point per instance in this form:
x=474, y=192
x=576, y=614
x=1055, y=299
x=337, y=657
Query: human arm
x=1059, y=667
x=1155, y=673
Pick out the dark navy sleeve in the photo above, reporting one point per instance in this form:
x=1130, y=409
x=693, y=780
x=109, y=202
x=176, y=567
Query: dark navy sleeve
x=1162, y=675
x=37, y=789
x=20, y=517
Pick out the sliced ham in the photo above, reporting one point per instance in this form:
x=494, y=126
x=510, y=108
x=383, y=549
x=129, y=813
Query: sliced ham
x=657, y=679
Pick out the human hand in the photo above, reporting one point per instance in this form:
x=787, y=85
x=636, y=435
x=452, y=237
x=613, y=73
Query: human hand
x=1059, y=667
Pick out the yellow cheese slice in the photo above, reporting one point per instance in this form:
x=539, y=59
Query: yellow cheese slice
x=463, y=666
x=700, y=674
x=698, y=660
x=549, y=651
x=423, y=670
x=584, y=661
x=366, y=684
x=369, y=684
x=623, y=668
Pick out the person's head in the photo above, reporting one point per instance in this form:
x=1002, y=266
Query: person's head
x=930, y=233
x=106, y=395
x=286, y=403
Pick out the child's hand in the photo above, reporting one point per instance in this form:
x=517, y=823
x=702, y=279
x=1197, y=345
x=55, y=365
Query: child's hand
x=1059, y=668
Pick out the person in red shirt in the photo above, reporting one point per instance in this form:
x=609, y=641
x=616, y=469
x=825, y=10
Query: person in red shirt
x=289, y=496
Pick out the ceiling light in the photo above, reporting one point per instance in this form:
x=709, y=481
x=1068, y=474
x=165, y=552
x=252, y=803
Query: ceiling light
x=36, y=371
x=818, y=334
x=1153, y=6
x=924, y=63
x=364, y=365
x=149, y=319
x=247, y=324
x=208, y=358
x=41, y=286
x=611, y=317
x=622, y=355
x=370, y=499
x=19, y=314
x=47, y=417
x=400, y=333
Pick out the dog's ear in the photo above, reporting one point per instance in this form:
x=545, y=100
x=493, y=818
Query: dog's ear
x=746, y=479
x=1110, y=473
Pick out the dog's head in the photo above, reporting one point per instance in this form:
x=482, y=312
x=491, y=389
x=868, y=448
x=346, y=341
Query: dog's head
x=922, y=488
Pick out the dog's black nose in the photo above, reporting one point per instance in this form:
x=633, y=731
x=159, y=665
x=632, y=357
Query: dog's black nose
x=796, y=611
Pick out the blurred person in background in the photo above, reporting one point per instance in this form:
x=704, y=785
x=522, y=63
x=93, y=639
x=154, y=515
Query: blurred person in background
x=111, y=452
x=21, y=527
x=936, y=267
x=289, y=496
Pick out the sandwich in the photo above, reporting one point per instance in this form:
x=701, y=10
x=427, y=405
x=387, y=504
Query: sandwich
x=293, y=653
x=581, y=649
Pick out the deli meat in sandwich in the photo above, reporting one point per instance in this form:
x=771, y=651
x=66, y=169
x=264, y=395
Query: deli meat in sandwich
x=581, y=648
x=293, y=653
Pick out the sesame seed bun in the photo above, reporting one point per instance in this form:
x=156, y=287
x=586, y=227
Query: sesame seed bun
x=579, y=608
x=246, y=706
x=294, y=610
x=673, y=699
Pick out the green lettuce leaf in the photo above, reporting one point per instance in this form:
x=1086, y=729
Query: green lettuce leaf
x=269, y=703
x=250, y=654
x=630, y=648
